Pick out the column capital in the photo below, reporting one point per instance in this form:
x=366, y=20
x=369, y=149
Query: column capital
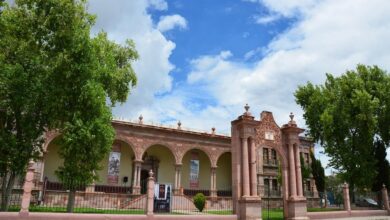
x=136, y=161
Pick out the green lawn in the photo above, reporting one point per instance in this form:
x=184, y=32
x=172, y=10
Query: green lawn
x=273, y=214
x=323, y=209
x=86, y=210
x=220, y=212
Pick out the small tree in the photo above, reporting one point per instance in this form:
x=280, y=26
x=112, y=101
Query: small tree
x=318, y=173
x=199, y=201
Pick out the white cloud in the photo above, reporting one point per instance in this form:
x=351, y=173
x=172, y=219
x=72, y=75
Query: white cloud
x=158, y=4
x=129, y=19
x=288, y=8
x=170, y=22
x=329, y=36
x=266, y=19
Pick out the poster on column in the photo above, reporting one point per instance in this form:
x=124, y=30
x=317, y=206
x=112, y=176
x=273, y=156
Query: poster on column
x=194, y=170
x=113, y=168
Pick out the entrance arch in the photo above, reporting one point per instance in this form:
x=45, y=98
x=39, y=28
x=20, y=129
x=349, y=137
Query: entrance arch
x=224, y=175
x=161, y=160
x=196, y=171
x=247, y=136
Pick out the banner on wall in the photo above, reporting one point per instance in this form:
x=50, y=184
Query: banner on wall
x=194, y=170
x=113, y=168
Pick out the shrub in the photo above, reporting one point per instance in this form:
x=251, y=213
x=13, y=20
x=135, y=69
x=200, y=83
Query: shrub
x=199, y=201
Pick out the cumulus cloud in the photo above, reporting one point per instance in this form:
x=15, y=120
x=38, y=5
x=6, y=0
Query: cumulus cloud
x=130, y=19
x=170, y=22
x=329, y=36
x=266, y=19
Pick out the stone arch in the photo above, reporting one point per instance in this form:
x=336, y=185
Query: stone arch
x=128, y=142
x=205, y=166
x=206, y=152
x=159, y=157
x=163, y=144
x=49, y=137
x=51, y=160
x=224, y=173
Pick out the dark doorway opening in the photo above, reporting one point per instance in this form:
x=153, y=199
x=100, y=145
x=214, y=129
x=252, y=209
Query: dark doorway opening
x=144, y=180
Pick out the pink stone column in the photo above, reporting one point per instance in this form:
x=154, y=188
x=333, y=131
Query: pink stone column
x=347, y=204
x=177, y=178
x=298, y=170
x=150, y=194
x=385, y=198
x=245, y=168
x=253, y=168
x=137, y=178
x=291, y=164
x=213, y=185
x=27, y=188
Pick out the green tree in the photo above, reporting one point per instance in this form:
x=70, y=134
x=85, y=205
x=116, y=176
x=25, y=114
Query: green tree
x=23, y=112
x=318, y=173
x=344, y=115
x=54, y=74
x=382, y=167
x=305, y=169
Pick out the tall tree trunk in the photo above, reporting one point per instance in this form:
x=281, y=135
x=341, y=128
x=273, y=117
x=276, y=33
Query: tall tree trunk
x=6, y=196
x=71, y=199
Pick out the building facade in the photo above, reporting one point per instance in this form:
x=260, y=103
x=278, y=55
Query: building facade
x=190, y=161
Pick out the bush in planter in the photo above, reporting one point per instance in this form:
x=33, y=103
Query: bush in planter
x=199, y=201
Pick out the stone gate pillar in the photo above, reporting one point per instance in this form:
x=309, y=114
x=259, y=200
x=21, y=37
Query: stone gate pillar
x=246, y=201
x=296, y=202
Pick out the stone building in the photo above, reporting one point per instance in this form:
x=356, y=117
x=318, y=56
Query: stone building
x=191, y=161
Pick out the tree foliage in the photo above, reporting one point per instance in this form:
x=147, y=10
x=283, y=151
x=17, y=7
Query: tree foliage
x=55, y=75
x=382, y=167
x=318, y=173
x=305, y=169
x=345, y=114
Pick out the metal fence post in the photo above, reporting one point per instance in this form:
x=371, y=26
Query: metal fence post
x=150, y=194
x=27, y=188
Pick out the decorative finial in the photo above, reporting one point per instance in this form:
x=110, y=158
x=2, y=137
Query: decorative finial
x=140, y=119
x=151, y=174
x=291, y=116
x=383, y=186
x=213, y=130
x=246, y=108
x=179, y=124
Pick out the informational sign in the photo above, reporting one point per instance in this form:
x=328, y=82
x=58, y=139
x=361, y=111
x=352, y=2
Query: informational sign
x=162, y=197
x=194, y=170
x=113, y=168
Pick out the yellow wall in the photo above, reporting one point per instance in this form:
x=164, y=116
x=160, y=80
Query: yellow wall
x=125, y=167
x=224, y=172
x=52, y=162
x=166, y=167
x=204, y=170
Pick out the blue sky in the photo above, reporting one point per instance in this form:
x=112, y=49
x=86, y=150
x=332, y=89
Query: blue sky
x=201, y=61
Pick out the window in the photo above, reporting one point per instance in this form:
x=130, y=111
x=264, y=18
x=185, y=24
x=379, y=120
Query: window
x=266, y=184
x=274, y=184
x=269, y=135
x=273, y=153
x=265, y=155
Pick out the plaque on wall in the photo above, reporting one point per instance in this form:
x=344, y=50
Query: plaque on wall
x=269, y=135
